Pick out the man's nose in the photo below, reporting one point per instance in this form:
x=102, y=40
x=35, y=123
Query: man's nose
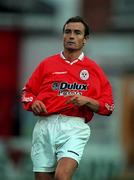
x=72, y=35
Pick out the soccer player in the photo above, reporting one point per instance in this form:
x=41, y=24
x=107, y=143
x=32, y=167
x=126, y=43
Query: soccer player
x=64, y=92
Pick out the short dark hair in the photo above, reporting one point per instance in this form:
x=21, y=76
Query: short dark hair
x=78, y=19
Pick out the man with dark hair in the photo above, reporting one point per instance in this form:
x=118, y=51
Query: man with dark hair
x=64, y=92
x=80, y=20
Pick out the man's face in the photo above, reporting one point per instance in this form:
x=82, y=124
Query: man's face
x=73, y=36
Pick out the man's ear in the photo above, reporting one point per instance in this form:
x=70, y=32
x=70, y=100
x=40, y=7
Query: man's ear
x=85, y=40
x=86, y=37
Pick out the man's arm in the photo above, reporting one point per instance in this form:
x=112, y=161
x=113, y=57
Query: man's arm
x=38, y=107
x=31, y=90
x=80, y=100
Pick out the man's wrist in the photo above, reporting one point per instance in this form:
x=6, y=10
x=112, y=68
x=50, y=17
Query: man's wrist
x=93, y=104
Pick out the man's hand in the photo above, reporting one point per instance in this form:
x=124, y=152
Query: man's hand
x=38, y=107
x=80, y=100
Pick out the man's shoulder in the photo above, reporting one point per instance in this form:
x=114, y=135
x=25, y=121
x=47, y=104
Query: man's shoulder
x=92, y=63
x=89, y=60
x=50, y=59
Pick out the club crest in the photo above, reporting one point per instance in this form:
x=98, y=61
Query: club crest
x=84, y=74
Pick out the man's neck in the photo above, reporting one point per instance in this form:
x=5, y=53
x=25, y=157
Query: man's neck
x=71, y=56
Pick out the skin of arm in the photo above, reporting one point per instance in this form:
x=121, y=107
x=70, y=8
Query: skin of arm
x=80, y=100
x=38, y=107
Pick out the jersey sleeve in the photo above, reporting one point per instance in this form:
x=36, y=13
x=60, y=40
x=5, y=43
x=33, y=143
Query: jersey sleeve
x=31, y=88
x=106, y=101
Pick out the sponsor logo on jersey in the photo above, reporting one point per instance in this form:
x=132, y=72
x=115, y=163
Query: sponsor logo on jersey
x=64, y=72
x=68, y=86
x=26, y=99
x=84, y=74
x=109, y=107
x=69, y=93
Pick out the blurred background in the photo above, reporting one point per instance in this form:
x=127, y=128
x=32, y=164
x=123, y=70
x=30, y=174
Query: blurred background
x=31, y=30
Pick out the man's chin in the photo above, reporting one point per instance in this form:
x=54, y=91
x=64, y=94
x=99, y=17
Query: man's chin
x=71, y=48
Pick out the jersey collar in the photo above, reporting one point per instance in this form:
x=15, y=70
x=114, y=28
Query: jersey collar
x=79, y=58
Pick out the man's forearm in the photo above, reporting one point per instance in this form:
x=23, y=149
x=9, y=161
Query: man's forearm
x=93, y=104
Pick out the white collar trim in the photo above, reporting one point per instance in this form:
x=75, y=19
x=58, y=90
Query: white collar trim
x=79, y=58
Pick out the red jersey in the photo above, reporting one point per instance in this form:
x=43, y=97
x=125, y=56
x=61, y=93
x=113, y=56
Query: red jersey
x=54, y=78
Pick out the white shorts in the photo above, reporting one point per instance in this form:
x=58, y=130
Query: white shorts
x=57, y=136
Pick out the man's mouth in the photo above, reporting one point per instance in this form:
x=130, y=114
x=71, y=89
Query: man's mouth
x=70, y=42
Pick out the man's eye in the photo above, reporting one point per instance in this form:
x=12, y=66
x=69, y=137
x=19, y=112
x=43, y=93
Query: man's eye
x=66, y=31
x=77, y=32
